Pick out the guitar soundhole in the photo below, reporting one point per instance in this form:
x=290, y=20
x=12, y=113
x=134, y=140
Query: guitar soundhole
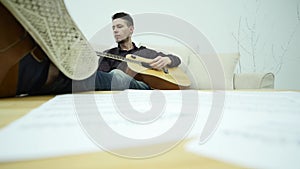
x=146, y=65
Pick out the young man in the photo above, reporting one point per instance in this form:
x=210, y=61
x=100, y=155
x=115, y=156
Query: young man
x=45, y=53
x=123, y=28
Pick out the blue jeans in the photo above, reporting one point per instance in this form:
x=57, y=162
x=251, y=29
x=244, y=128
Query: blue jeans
x=120, y=81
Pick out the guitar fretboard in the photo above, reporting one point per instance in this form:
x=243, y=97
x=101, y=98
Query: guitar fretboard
x=117, y=57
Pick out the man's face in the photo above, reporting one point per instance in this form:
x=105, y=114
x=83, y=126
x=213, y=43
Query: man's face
x=122, y=32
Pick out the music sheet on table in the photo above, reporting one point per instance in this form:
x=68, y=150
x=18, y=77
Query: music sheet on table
x=257, y=129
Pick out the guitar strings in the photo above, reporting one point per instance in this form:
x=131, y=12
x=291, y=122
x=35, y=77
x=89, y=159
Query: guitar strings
x=117, y=57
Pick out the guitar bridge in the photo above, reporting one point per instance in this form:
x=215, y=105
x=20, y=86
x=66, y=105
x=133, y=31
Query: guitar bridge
x=166, y=71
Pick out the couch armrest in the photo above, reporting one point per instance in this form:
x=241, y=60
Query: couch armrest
x=253, y=81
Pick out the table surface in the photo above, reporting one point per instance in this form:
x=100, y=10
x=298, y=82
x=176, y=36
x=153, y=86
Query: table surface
x=14, y=108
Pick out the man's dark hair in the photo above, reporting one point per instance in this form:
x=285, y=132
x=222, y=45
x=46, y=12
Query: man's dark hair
x=124, y=16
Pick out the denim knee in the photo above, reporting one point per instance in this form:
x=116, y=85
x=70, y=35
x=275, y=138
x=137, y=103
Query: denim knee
x=121, y=80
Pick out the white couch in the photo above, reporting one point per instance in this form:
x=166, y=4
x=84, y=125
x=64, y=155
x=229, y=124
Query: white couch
x=205, y=74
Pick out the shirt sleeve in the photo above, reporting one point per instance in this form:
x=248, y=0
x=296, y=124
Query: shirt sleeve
x=151, y=54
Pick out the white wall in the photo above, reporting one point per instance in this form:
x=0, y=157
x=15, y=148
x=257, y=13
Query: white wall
x=268, y=31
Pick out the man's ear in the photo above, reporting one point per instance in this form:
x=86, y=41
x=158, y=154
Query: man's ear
x=131, y=29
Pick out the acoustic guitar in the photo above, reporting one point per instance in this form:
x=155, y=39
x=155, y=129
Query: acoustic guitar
x=165, y=79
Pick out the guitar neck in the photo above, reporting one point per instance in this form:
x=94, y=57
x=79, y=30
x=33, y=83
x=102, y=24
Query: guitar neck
x=117, y=57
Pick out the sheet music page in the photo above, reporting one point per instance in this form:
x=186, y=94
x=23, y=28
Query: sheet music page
x=258, y=130
x=53, y=129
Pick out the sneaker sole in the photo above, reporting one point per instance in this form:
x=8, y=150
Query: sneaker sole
x=51, y=26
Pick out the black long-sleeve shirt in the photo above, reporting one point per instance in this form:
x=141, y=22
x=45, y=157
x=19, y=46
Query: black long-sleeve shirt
x=107, y=64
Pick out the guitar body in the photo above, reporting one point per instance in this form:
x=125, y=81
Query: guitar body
x=173, y=79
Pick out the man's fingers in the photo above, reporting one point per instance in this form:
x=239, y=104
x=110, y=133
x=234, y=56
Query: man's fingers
x=159, y=62
x=158, y=58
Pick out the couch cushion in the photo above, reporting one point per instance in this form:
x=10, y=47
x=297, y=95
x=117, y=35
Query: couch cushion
x=254, y=81
x=202, y=79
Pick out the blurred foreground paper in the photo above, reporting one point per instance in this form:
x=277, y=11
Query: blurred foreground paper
x=53, y=129
x=258, y=130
